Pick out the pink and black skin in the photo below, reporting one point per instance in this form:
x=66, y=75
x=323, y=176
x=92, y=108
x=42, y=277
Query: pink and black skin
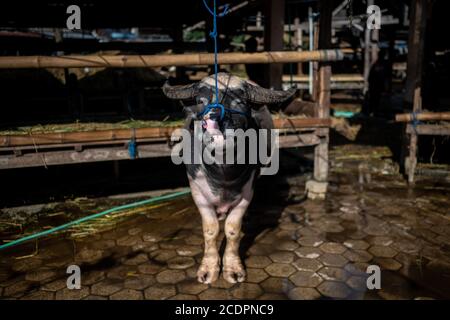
x=224, y=191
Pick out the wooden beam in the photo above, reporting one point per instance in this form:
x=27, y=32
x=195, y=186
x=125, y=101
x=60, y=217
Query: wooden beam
x=120, y=135
x=407, y=117
x=143, y=61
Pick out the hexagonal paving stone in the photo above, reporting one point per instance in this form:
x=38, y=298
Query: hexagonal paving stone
x=26, y=264
x=376, y=229
x=245, y=290
x=39, y=295
x=382, y=252
x=288, y=245
x=333, y=274
x=358, y=256
x=57, y=284
x=183, y=297
x=92, y=297
x=149, y=268
x=310, y=241
x=106, y=287
x=300, y=293
x=380, y=240
x=388, y=264
x=189, y=250
x=333, y=247
x=282, y=257
x=260, y=249
x=91, y=277
x=256, y=275
x=357, y=283
x=406, y=246
x=333, y=289
x=304, y=264
x=276, y=285
x=74, y=294
x=139, y=282
x=120, y=272
x=136, y=260
x=180, y=263
x=88, y=256
x=162, y=255
x=333, y=260
x=308, y=252
x=127, y=294
x=191, y=287
x=280, y=270
x=40, y=275
x=134, y=231
x=257, y=261
x=127, y=241
x=17, y=288
x=221, y=283
x=160, y=292
x=272, y=296
x=194, y=240
x=215, y=294
x=356, y=244
x=357, y=268
x=306, y=279
x=170, y=276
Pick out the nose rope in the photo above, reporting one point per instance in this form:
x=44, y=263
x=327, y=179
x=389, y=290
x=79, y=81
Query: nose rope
x=213, y=34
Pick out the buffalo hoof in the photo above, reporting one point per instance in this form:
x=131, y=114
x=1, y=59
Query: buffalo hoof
x=208, y=273
x=234, y=273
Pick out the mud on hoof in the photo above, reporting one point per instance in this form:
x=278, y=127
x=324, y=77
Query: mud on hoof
x=208, y=273
x=234, y=273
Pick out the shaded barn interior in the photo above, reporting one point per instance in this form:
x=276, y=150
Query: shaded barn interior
x=364, y=151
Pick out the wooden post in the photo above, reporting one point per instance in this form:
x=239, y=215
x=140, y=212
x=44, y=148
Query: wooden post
x=317, y=188
x=367, y=54
x=416, y=42
x=413, y=140
x=298, y=42
x=413, y=84
x=273, y=39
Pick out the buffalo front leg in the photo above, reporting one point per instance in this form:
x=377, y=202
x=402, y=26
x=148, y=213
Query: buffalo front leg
x=233, y=270
x=208, y=271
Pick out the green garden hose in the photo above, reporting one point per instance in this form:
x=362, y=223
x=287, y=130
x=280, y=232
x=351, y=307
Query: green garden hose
x=93, y=216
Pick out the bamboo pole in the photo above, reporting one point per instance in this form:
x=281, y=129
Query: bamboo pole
x=39, y=139
x=140, y=61
x=407, y=117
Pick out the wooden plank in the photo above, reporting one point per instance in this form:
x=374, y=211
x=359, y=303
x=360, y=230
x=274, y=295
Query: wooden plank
x=428, y=129
x=49, y=158
x=121, y=135
x=145, y=61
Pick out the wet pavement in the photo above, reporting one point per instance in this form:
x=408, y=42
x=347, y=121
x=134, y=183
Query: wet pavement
x=293, y=248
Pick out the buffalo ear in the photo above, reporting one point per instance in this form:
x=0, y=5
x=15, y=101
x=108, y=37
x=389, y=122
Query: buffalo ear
x=259, y=95
x=181, y=92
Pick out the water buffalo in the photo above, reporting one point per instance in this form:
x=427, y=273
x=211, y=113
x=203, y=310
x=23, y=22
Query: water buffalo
x=224, y=191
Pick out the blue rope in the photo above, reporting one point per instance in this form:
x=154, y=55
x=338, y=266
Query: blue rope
x=213, y=34
x=415, y=121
